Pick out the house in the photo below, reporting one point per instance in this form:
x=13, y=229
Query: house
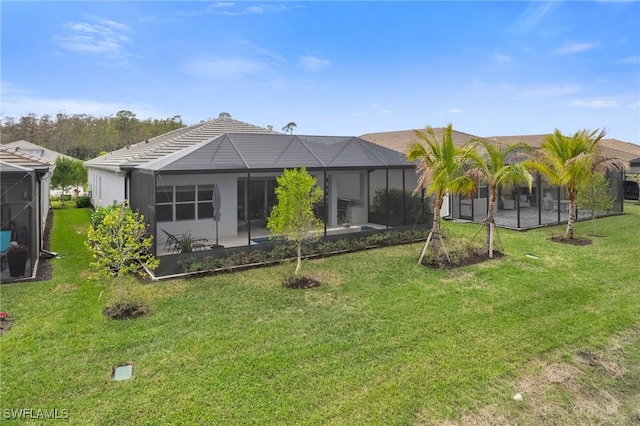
x=175, y=193
x=37, y=151
x=517, y=207
x=24, y=201
x=109, y=174
x=42, y=152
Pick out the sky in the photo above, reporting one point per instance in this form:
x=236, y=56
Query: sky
x=334, y=68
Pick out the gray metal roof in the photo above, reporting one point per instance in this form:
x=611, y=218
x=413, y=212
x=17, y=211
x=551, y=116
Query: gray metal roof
x=242, y=151
x=171, y=142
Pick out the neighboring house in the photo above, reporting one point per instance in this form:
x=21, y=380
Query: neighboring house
x=24, y=200
x=37, y=151
x=109, y=175
x=517, y=207
x=175, y=193
x=44, y=153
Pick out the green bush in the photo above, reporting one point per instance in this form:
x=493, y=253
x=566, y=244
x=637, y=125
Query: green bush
x=83, y=202
x=415, y=209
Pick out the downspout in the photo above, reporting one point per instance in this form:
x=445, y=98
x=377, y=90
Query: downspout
x=127, y=179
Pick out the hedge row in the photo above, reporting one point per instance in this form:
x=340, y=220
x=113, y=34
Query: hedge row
x=286, y=250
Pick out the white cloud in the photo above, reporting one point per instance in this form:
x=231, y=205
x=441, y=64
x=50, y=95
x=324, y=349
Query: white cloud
x=531, y=16
x=635, y=105
x=629, y=60
x=313, y=64
x=223, y=4
x=500, y=57
x=550, y=91
x=19, y=105
x=455, y=111
x=103, y=36
x=571, y=48
x=595, y=103
x=227, y=8
x=232, y=68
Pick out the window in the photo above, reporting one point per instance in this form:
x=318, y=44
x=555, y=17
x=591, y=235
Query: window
x=164, y=204
x=205, y=201
x=183, y=202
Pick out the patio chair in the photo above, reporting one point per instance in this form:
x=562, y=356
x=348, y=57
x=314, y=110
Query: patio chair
x=5, y=240
x=173, y=241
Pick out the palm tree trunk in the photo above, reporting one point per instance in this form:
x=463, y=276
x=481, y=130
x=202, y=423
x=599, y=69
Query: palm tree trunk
x=434, y=234
x=572, y=215
x=435, y=229
x=490, y=215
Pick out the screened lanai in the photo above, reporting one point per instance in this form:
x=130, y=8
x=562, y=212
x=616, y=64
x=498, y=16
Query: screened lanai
x=519, y=208
x=366, y=187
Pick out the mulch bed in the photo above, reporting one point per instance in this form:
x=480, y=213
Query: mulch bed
x=572, y=241
x=5, y=325
x=300, y=282
x=471, y=258
x=125, y=310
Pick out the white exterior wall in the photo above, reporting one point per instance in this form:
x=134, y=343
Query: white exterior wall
x=106, y=187
x=44, y=200
x=205, y=228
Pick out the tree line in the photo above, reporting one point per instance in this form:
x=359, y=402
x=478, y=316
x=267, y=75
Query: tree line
x=84, y=136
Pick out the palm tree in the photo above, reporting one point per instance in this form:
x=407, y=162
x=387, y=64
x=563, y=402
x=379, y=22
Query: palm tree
x=441, y=170
x=498, y=167
x=289, y=127
x=570, y=161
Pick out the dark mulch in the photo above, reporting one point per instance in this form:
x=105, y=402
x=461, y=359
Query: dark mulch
x=5, y=325
x=300, y=282
x=471, y=258
x=125, y=310
x=573, y=241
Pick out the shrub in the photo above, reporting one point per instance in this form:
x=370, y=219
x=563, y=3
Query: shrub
x=287, y=250
x=415, y=210
x=83, y=202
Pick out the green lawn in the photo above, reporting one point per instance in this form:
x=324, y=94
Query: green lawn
x=383, y=341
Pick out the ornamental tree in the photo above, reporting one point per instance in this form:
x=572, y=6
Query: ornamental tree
x=120, y=244
x=293, y=216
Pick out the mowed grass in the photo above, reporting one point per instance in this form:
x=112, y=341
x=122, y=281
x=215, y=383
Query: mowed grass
x=383, y=341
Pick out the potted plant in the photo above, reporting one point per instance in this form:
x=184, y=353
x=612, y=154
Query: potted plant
x=17, y=259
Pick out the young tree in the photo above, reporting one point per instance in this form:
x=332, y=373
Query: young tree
x=297, y=193
x=570, y=161
x=68, y=172
x=120, y=244
x=594, y=196
x=440, y=170
x=497, y=166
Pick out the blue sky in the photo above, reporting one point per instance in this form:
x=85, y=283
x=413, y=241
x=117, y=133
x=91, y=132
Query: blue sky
x=336, y=68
